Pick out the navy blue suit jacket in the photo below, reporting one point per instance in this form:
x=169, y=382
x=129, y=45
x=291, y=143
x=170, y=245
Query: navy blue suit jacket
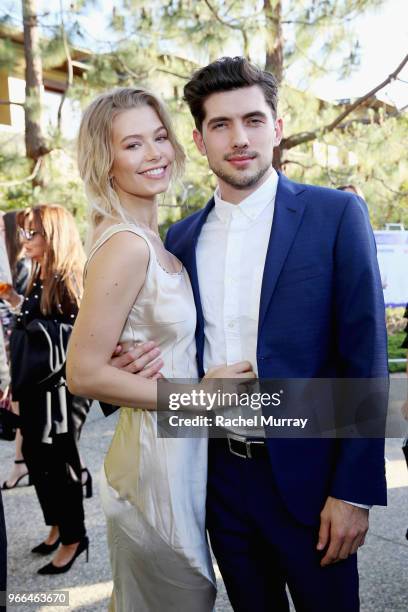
x=321, y=315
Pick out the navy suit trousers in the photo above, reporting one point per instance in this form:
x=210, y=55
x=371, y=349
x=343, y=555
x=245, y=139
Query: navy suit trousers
x=260, y=547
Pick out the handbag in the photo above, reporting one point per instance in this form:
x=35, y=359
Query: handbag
x=9, y=421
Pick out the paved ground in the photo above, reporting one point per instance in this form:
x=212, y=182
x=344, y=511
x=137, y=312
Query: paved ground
x=383, y=560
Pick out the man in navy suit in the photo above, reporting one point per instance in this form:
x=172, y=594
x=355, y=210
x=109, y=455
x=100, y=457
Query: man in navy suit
x=284, y=276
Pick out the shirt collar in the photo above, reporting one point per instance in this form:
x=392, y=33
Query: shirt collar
x=253, y=205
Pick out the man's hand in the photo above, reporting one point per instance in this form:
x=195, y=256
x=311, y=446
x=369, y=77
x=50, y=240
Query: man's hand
x=343, y=528
x=137, y=359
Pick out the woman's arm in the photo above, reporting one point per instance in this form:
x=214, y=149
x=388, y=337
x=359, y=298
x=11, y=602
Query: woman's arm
x=115, y=276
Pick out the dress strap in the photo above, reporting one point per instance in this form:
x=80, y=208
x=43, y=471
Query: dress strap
x=116, y=229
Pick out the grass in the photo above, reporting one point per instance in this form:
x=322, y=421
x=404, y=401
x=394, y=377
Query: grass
x=395, y=351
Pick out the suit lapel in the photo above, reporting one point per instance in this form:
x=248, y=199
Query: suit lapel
x=188, y=256
x=287, y=216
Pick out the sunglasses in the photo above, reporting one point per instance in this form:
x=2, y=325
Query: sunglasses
x=28, y=234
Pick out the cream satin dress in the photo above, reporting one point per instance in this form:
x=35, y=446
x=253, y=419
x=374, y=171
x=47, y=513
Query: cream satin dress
x=153, y=490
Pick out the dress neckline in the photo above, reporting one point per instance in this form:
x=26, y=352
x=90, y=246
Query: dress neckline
x=144, y=230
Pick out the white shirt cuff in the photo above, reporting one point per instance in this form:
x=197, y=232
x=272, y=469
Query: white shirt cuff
x=358, y=505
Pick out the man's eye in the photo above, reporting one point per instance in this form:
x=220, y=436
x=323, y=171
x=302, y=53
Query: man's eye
x=255, y=121
x=218, y=125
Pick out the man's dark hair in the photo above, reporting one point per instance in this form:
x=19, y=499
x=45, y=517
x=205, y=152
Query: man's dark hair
x=226, y=74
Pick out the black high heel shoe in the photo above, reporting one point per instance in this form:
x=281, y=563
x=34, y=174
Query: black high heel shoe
x=88, y=482
x=6, y=487
x=50, y=568
x=46, y=549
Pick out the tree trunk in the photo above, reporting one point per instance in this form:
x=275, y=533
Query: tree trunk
x=274, y=53
x=35, y=142
x=277, y=158
x=274, y=38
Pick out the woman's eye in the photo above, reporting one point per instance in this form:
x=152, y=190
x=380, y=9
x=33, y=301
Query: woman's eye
x=133, y=145
x=162, y=138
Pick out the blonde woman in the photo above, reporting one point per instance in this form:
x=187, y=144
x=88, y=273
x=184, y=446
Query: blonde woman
x=153, y=489
x=50, y=417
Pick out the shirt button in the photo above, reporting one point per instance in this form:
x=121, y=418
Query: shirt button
x=231, y=324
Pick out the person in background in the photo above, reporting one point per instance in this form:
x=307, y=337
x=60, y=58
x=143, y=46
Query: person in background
x=351, y=189
x=4, y=369
x=20, y=271
x=51, y=418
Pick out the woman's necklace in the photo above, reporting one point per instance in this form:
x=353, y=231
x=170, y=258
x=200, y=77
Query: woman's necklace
x=147, y=229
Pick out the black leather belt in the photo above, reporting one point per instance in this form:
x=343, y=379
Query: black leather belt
x=247, y=448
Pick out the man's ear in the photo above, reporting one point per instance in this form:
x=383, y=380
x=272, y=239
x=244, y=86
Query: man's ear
x=278, y=131
x=198, y=139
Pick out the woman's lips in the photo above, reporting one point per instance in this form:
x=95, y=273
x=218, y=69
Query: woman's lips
x=154, y=173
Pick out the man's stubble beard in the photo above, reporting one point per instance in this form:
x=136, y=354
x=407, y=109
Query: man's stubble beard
x=240, y=182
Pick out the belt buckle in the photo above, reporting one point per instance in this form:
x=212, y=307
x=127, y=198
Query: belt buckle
x=248, y=446
x=238, y=439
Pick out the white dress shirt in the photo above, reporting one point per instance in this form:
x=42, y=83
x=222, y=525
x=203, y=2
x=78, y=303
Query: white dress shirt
x=231, y=253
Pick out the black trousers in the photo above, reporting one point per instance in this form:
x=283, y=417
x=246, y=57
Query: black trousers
x=55, y=470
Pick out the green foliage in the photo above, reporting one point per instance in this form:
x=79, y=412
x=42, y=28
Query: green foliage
x=159, y=45
x=396, y=352
x=7, y=54
x=52, y=51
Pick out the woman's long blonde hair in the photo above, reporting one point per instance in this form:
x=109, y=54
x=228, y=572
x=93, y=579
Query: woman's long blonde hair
x=95, y=155
x=64, y=256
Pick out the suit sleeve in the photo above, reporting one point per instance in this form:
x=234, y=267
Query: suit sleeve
x=360, y=334
x=167, y=240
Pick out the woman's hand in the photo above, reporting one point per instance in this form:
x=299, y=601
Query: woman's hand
x=242, y=369
x=3, y=396
x=10, y=295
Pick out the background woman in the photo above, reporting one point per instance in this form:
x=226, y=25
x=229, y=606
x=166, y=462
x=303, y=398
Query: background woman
x=20, y=268
x=49, y=419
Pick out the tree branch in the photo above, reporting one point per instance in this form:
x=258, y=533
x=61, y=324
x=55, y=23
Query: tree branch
x=70, y=69
x=32, y=176
x=298, y=163
x=220, y=19
x=10, y=102
x=303, y=137
x=231, y=26
x=366, y=121
x=398, y=194
x=185, y=77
